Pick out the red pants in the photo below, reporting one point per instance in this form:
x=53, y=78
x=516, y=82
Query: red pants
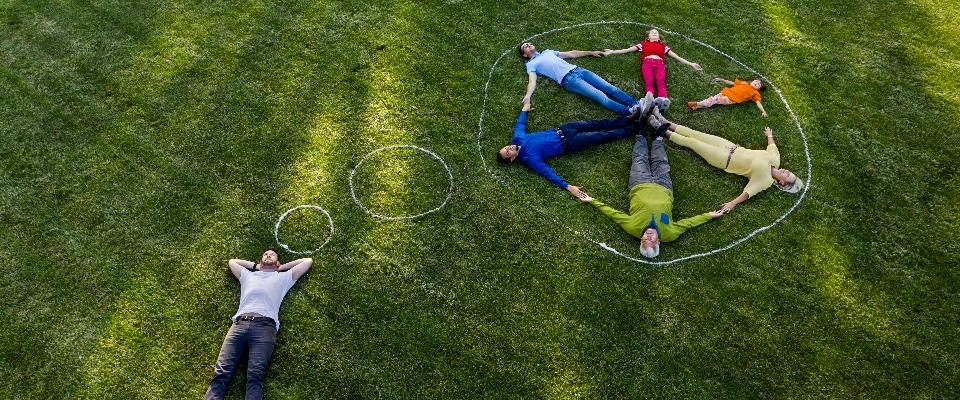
x=654, y=68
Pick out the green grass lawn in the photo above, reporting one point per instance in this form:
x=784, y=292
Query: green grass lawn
x=144, y=143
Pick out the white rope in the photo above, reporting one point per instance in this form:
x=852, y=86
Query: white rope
x=353, y=192
x=276, y=229
x=803, y=136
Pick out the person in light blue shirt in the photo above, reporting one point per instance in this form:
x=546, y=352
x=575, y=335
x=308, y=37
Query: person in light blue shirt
x=553, y=64
x=532, y=149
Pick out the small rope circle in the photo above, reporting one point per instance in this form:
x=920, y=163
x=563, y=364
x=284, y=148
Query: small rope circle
x=276, y=229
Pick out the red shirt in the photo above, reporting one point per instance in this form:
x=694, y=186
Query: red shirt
x=648, y=48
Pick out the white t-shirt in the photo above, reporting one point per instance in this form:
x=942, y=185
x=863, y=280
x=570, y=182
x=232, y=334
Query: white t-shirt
x=548, y=63
x=261, y=292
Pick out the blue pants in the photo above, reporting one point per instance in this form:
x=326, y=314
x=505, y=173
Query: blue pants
x=258, y=338
x=652, y=168
x=580, y=135
x=586, y=83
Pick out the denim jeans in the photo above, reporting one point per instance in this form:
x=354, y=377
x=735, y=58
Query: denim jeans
x=257, y=338
x=584, y=82
x=652, y=168
x=582, y=134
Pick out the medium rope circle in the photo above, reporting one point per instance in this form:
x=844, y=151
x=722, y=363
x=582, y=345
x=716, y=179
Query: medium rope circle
x=353, y=192
x=276, y=229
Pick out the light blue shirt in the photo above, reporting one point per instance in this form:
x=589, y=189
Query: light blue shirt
x=548, y=63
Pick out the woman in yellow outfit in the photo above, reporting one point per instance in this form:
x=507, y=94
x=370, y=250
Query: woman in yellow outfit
x=761, y=167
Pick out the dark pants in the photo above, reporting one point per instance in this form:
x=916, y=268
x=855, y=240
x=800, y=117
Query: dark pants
x=257, y=338
x=582, y=134
x=652, y=168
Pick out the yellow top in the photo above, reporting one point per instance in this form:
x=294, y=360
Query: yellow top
x=755, y=165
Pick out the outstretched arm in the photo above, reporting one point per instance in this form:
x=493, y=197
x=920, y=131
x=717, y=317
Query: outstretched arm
x=691, y=222
x=631, y=49
x=688, y=63
x=762, y=112
x=723, y=81
x=733, y=203
x=617, y=216
x=531, y=86
x=520, y=127
x=540, y=167
x=237, y=266
x=298, y=267
x=579, y=53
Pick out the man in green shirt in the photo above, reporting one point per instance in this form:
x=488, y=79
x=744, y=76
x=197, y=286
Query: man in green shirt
x=651, y=200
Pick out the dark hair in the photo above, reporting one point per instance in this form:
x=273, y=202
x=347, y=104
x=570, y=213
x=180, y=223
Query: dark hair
x=763, y=86
x=501, y=159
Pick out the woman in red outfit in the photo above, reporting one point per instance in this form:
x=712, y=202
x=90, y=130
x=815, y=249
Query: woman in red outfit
x=653, y=51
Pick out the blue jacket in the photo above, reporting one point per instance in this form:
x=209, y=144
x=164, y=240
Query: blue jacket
x=536, y=147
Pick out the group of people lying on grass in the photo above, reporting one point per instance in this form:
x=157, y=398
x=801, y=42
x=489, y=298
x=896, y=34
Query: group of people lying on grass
x=651, y=190
x=263, y=285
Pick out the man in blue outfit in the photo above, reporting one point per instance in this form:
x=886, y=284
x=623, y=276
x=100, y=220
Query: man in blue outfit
x=532, y=149
x=553, y=64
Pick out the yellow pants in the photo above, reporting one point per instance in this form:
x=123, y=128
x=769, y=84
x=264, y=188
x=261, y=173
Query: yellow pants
x=713, y=149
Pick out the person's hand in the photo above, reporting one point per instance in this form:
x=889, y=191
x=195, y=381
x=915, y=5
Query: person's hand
x=585, y=197
x=718, y=79
x=767, y=131
x=727, y=207
x=696, y=66
x=575, y=191
x=716, y=214
x=607, y=52
x=764, y=114
x=597, y=53
x=526, y=107
x=525, y=100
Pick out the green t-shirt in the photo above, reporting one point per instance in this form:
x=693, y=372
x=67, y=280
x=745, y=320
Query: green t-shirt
x=651, y=203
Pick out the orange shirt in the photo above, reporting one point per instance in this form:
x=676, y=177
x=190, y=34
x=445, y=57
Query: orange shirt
x=741, y=91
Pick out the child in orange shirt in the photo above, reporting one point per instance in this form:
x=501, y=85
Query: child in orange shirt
x=738, y=92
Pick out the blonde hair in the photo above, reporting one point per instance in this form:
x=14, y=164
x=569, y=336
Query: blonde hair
x=646, y=36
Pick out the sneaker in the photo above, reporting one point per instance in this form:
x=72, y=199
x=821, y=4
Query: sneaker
x=662, y=103
x=654, y=122
x=659, y=117
x=692, y=105
x=641, y=108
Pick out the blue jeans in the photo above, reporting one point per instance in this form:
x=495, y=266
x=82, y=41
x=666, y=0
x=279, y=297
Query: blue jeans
x=584, y=82
x=257, y=338
x=580, y=135
x=652, y=168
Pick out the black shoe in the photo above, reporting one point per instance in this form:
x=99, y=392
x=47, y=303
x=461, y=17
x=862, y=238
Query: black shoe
x=636, y=114
x=660, y=132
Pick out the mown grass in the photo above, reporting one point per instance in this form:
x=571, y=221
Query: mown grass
x=145, y=143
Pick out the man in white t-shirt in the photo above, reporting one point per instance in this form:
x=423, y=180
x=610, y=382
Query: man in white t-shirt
x=553, y=65
x=255, y=325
